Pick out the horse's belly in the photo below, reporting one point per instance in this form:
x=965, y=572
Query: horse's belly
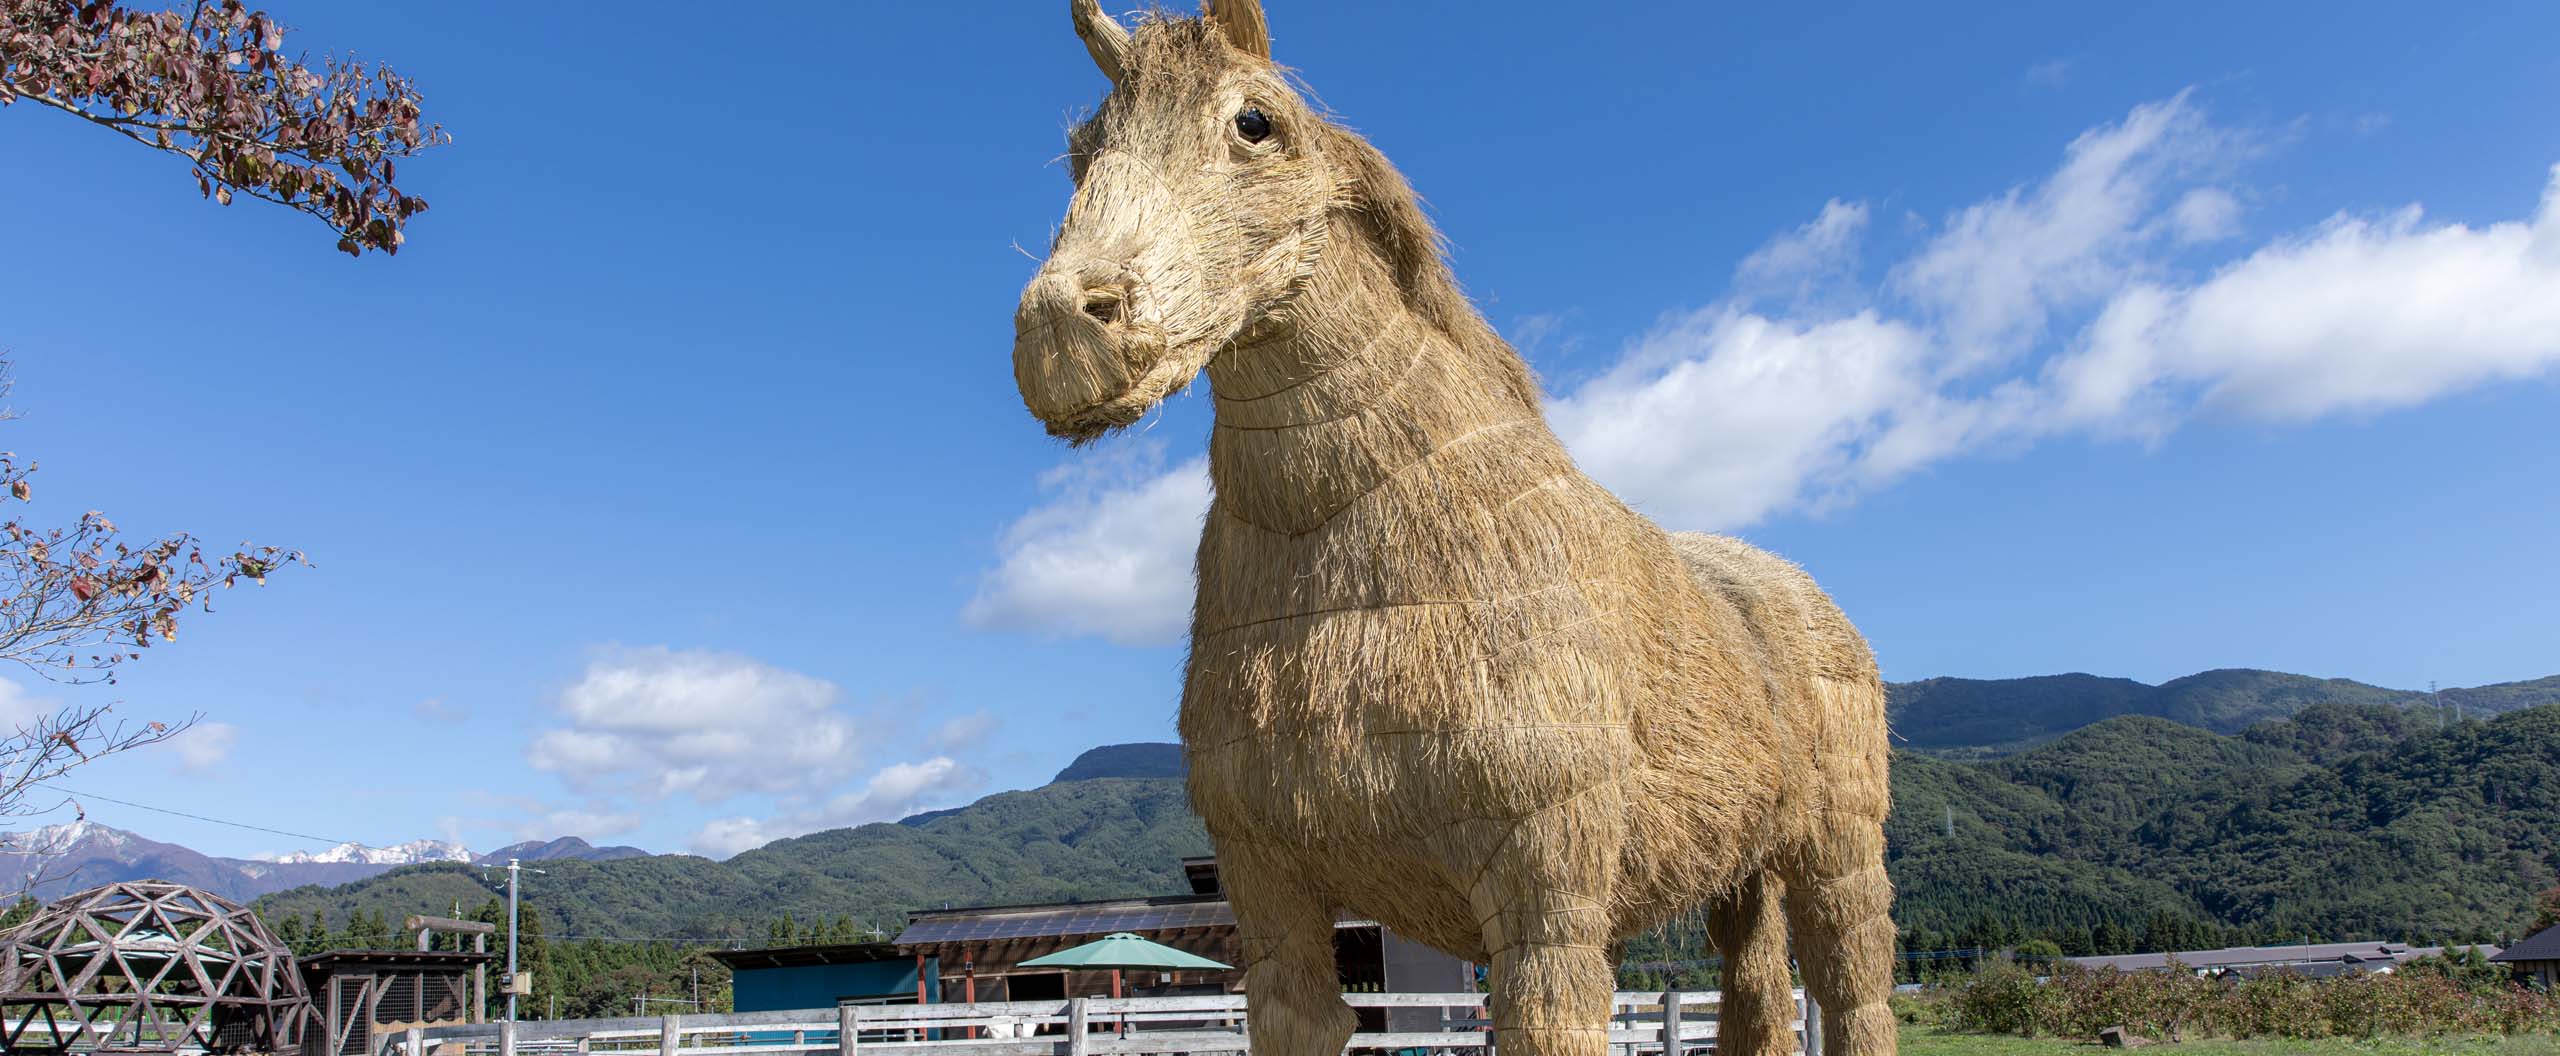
x=1399, y=723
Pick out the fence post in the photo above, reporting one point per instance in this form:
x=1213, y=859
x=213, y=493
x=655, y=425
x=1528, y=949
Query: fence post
x=667, y=1036
x=1076, y=1040
x=1671, y=1023
x=506, y=1037
x=848, y=1029
x=1812, y=1024
x=415, y=1041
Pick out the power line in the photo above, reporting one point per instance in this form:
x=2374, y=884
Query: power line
x=197, y=817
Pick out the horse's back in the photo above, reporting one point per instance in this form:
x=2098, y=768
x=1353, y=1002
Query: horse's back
x=1817, y=666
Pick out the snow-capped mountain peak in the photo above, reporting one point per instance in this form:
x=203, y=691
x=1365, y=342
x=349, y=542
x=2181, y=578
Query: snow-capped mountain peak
x=409, y=853
x=55, y=839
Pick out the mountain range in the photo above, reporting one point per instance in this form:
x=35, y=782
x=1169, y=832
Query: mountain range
x=83, y=854
x=1984, y=717
x=2232, y=798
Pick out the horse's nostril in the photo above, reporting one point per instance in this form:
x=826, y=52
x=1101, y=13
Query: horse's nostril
x=1103, y=304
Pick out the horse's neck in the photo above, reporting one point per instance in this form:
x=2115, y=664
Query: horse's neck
x=1348, y=389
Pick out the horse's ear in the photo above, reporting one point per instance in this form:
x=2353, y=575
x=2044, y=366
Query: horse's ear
x=1108, y=40
x=1242, y=21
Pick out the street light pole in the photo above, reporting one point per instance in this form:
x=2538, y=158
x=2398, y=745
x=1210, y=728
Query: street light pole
x=513, y=866
x=513, y=870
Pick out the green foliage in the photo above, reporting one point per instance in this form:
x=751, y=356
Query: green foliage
x=2134, y=834
x=1087, y=839
x=2077, y=1003
x=1975, y=718
x=2346, y=823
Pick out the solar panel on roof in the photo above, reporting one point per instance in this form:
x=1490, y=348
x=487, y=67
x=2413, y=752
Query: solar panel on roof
x=1067, y=921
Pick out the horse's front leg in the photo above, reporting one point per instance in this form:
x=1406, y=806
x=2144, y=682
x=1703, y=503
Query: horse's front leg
x=1544, y=901
x=1293, y=992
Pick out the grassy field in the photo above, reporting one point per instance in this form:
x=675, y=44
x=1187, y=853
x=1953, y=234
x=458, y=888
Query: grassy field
x=1929, y=1041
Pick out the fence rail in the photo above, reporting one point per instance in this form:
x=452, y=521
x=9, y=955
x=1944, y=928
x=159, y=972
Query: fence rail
x=1670, y=1023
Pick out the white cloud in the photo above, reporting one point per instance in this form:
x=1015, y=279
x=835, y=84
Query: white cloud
x=1721, y=416
x=2356, y=315
x=587, y=824
x=20, y=709
x=2061, y=307
x=963, y=731
x=1813, y=266
x=2072, y=304
x=438, y=709
x=894, y=792
x=1994, y=277
x=1108, y=554
x=204, y=746
x=659, y=722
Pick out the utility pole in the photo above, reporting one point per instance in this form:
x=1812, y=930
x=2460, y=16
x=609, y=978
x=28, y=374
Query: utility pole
x=514, y=866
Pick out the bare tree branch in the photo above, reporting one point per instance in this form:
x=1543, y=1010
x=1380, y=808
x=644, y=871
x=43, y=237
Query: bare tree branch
x=51, y=744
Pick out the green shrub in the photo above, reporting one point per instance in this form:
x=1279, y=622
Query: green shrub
x=2077, y=1003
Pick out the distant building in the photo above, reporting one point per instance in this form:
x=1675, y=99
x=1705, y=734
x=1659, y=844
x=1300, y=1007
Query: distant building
x=362, y=995
x=794, y=977
x=2537, y=958
x=980, y=950
x=2313, y=959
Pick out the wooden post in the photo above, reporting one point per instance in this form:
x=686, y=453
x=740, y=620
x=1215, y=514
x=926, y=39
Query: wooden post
x=921, y=1035
x=480, y=980
x=415, y=1041
x=848, y=1029
x=1671, y=1023
x=1812, y=1024
x=969, y=981
x=1076, y=1039
x=667, y=1036
x=506, y=1037
x=586, y=1045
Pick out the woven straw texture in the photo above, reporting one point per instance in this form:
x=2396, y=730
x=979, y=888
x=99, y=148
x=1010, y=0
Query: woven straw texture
x=1438, y=677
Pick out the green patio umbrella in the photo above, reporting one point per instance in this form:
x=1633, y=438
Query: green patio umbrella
x=1120, y=950
x=1124, y=949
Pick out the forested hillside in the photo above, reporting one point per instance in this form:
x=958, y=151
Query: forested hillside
x=1976, y=717
x=2342, y=822
x=2345, y=821
x=1082, y=838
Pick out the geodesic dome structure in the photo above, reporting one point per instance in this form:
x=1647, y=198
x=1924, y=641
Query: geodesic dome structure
x=148, y=966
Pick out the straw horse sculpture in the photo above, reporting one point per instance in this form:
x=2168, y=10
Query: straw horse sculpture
x=1439, y=678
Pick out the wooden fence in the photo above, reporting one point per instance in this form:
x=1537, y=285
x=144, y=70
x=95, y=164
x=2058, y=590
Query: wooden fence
x=1641, y=1024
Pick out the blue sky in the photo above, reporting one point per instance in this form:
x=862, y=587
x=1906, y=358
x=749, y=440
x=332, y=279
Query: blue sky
x=671, y=487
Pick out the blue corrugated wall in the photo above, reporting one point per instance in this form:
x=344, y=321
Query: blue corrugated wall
x=824, y=985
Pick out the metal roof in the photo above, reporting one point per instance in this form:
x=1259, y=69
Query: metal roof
x=2542, y=945
x=802, y=956
x=996, y=923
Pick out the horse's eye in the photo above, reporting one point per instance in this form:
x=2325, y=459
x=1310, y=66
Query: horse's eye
x=1253, y=125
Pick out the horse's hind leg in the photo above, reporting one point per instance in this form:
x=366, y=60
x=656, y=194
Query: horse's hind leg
x=1841, y=905
x=1757, y=1016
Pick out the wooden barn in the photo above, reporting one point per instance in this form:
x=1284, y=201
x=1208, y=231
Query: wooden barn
x=979, y=950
